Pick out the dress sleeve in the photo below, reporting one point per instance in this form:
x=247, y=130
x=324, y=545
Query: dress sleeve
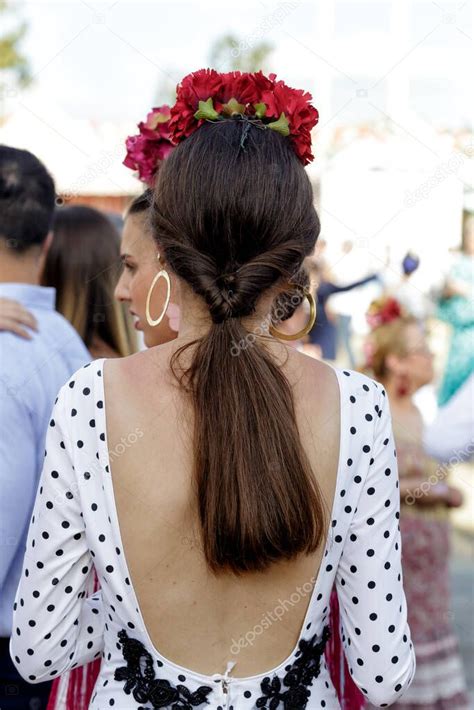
x=369, y=581
x=55, y=626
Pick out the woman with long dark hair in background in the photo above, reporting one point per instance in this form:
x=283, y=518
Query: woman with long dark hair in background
x=82, y=265
x=230, y=490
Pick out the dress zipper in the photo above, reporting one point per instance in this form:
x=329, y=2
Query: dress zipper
x=226, y=682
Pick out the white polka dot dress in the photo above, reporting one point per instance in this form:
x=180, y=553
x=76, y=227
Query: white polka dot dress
x=74, y=527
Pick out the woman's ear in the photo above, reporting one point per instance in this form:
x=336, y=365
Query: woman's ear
x=160, y=257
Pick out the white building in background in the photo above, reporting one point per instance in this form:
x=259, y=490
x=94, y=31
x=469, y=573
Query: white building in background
x=85, y=157
x=405, y=60
x=394, y=154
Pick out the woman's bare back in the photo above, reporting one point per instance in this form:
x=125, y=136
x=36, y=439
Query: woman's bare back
x=194, y=617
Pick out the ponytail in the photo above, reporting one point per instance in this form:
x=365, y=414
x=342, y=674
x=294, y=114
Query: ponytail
x=258, y=500
x=231, y=231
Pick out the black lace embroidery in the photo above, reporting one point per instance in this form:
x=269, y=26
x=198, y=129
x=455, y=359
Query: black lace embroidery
x=141, y=682
x=292, y=690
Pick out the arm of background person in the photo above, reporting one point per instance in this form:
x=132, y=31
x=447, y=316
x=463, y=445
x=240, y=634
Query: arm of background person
x=451, y=435
x=354, y=284
x=14, y=316
x=17, y=474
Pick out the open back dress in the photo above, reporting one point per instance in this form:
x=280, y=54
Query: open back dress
x=75, y=528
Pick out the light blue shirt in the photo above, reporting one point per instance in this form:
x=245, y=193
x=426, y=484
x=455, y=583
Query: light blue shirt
x=31, y=374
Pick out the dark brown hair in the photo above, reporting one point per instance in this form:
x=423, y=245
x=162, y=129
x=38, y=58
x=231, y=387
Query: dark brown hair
x=141, y=203
x=27, y=197
x=232, y=222
x=82, y=265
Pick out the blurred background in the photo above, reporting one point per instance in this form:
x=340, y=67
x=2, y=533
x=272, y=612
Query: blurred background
x=394, y=147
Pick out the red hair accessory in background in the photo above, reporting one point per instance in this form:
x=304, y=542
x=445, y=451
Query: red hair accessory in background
x=151, y=145
x=382, y=311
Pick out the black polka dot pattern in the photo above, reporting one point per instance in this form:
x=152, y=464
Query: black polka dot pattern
x=74, y=529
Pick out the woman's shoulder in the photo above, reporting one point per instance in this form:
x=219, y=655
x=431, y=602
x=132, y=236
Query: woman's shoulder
x=320, y=371
x=81, y=387
x=363, y=382
x=82, y=375
x=136, y=371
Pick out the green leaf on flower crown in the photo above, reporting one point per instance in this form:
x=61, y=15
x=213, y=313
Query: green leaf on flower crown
x=232, y=107
x=260, y=110
x=206, y=110
x=281, y=126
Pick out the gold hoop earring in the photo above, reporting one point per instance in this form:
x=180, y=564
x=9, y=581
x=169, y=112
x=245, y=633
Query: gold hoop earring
x=296, y=336
x=161, y=274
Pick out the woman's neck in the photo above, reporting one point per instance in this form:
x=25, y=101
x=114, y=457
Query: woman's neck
x=399, y=398
x=195, y=319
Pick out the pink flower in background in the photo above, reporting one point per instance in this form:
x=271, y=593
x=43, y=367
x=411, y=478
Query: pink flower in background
x=150, y=146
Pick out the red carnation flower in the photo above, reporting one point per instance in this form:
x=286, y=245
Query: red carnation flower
x=301, y=115
x=146, y=150
x=195, y=87
x=239, y=86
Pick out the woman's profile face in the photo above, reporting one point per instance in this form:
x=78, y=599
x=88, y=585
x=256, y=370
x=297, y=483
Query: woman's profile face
x=138, y=254
x=418, y=359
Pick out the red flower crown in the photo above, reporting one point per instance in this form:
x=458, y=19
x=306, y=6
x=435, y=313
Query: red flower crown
x=207, y=95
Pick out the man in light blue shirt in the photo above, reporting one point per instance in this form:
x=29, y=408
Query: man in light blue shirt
x=31, y=373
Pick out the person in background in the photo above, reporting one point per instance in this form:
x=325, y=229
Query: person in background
x=82, y=266
x=451, y=434
x=32, y=371
x=456, y=308
x=398, y=356
x=410, y=296
x=343, y=305
x=324, y=332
